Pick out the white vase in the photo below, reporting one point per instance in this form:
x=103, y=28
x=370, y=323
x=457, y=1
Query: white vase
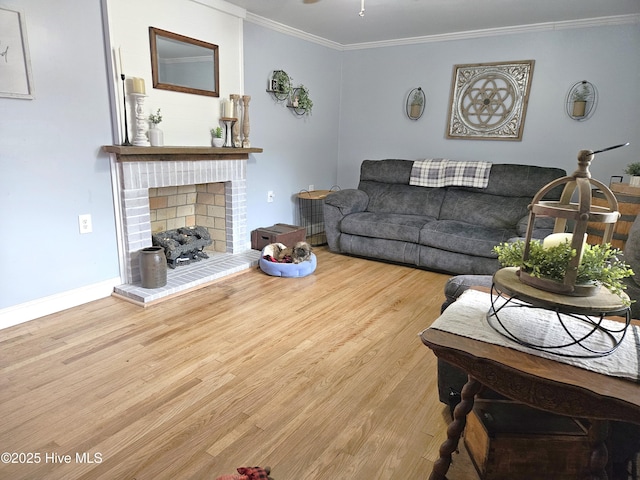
x=634, y=181
x=217, y=142
x=156, y=137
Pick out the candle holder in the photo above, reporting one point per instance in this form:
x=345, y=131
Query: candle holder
x=573, y=218
x=245, y=121
x=229, y=122
x=235, y=99
x=140, y=140
x=126, y=142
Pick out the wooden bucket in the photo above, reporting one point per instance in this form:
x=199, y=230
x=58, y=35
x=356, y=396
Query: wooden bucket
x=628, y=205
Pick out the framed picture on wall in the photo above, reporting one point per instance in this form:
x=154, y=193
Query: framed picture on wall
x=15, y=65
x=489, y=100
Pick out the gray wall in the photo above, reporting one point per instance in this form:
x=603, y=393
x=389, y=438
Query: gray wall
x=376, y=82
x=298, y=150
x=51, y=168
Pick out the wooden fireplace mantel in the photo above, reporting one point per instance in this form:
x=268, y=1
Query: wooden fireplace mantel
x=155, y=154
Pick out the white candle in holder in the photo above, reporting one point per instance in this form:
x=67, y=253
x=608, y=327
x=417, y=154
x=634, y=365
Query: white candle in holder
x=556, y=239
x=228, y=109
x=138, y=85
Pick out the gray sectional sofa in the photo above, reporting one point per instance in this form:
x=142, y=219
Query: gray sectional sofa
x=449, y=229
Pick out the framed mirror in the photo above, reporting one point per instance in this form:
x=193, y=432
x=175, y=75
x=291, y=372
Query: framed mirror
x=183, y=64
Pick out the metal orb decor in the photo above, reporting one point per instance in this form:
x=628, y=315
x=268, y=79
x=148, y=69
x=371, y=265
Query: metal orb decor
x=573, y=215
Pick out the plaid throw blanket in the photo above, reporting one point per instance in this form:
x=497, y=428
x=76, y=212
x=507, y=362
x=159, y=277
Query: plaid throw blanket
x=439, y=172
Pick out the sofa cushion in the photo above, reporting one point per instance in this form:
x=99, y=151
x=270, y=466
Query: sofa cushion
x=386, y=171
x=462, y=237
x=512, y=180
x=390, y=226
x=482, y=209
x=403, y=199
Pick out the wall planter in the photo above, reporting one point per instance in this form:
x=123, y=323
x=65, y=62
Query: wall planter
x=415, y=103
x=581, y=100
x=279, y=85
x=300, y=101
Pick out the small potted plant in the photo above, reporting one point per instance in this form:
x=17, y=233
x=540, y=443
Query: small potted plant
x=156, y=137
x=216, y=137
x=580, y=96
x=633, y=170
x=301, y=102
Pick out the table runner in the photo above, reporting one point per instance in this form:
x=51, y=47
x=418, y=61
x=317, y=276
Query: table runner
x=467, y=317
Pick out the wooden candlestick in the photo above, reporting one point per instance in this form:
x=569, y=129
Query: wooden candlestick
x=245, y=121
x=235, y=100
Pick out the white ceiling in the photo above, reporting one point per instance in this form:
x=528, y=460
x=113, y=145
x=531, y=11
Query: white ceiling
x=338, y=21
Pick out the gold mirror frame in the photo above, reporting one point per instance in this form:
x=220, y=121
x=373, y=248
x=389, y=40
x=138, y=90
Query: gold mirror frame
x=168, y=48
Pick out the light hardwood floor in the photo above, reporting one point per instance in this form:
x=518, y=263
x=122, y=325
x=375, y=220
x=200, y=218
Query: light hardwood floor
x=322, y=377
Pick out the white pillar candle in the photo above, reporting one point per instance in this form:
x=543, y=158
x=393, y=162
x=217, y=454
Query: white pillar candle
x=138, y=85
x=556, y=239
x=228, y=108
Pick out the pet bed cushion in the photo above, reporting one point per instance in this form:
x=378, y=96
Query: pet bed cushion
x=276, y=269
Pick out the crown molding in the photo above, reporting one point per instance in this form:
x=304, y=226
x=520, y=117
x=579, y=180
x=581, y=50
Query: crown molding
x=223, y=6
x=294, y=32
x=471, y=34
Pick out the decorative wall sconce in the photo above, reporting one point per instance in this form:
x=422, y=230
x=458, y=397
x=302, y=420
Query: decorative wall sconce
x=581, y=100
x=415, y=103
x=300, y=101
x=279, y=85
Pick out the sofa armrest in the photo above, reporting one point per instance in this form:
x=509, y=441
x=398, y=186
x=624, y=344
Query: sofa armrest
x=348, y=201
x=337, y=205
x=457, y=285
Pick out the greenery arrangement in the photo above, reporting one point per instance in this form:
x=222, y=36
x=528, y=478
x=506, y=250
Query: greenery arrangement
x=633, y=169
x=600, y=264
x=417, y=98
x=304, y=102
x=155, y=119
x=581, y=94
x=216, y=132
x=281, y=82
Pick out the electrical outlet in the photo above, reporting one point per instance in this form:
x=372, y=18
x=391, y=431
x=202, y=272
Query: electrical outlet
x=311, y=188
x=270, y=196
x=84, y=222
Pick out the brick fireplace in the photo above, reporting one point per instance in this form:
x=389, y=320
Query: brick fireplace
x=139, y=169
x=190, y=205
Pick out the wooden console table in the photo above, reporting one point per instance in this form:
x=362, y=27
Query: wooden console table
x=537, y=382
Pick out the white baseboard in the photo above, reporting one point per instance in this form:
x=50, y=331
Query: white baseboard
x=40, y=307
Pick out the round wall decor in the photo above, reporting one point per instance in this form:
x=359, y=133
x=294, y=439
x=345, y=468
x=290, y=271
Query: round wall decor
x=581, y=100
x=415, y=103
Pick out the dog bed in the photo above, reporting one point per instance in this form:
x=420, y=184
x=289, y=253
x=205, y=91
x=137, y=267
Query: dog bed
x=277, y=269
